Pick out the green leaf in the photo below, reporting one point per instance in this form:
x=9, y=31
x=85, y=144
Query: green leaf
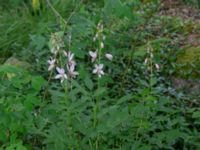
x=100, y=91
x=38, y=41
x=125, y=99
x=116, y=8
x=89, y=83
x=31, y=101
x=140, y=53
x=196, y=114
x=38, y=82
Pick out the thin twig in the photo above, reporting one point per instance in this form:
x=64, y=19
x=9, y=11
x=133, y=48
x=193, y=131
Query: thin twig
x=55, y=11
x=59, y=15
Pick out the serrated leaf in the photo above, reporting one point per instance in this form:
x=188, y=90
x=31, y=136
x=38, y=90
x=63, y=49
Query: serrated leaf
x=38, y=82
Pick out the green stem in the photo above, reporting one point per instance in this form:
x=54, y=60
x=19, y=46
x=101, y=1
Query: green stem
x=57, y=14
x=151, y=68
x=137, y=132
x=48, y=82
x=66, y=90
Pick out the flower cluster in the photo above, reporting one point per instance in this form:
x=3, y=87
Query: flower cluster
x=67, y=71
x=70, y=67
x=148, y=60
x=96, y=55
x=56, y=42
x=71, y=64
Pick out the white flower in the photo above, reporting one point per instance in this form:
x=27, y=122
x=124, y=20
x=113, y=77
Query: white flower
x=98, y=70
x=101, y=45
x=94, y=39
x=96, y=36
x=109, y=56
x=61, y=74
x=151, y=55
x=157, y=66
x=51, y=64
x=93, y=55
x=65, y=53
x=55, y=50
x=70, y=57
x=146, y=61
x=100, y=27
x=104, y=37
x=71, y=71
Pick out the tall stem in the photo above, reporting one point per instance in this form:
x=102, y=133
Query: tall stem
x=57, y=14
x=46, y=88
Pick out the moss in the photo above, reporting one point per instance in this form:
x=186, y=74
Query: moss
x=189, y=63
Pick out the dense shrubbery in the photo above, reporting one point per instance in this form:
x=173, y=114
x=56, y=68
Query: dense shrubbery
x=132, y=106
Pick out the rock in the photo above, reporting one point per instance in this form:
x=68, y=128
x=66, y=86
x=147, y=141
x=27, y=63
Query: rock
x=192, y=86
x=17, y=63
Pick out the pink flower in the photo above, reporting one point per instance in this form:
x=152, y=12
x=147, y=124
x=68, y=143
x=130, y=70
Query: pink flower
x=93, y=55
x=71, y=71
x=61, y=74
x=109, y=57
x=51, y=64
x=98, y=70
x=70, y=57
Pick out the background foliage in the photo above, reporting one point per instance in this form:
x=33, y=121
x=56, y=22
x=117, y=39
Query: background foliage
x=137, y=109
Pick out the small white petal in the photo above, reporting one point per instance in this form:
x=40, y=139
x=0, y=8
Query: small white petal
x=65, y=53
x=157, y=66
x=98, y=70
x=100, y=66
x=101, y=45
x=50, y=67
x=109, y=57
x=101, y=72
x=53, y=61
x=93, y=55
x=145, y=61
x=71, y=55
x=62, y=80
x=65, y=76
x=94, y=71
x=58, y=76
x=58, y=69
x=75, y=73
x=49, y=61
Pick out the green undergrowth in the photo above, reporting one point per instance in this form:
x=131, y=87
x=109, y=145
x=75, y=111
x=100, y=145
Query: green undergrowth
x=132, y=106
